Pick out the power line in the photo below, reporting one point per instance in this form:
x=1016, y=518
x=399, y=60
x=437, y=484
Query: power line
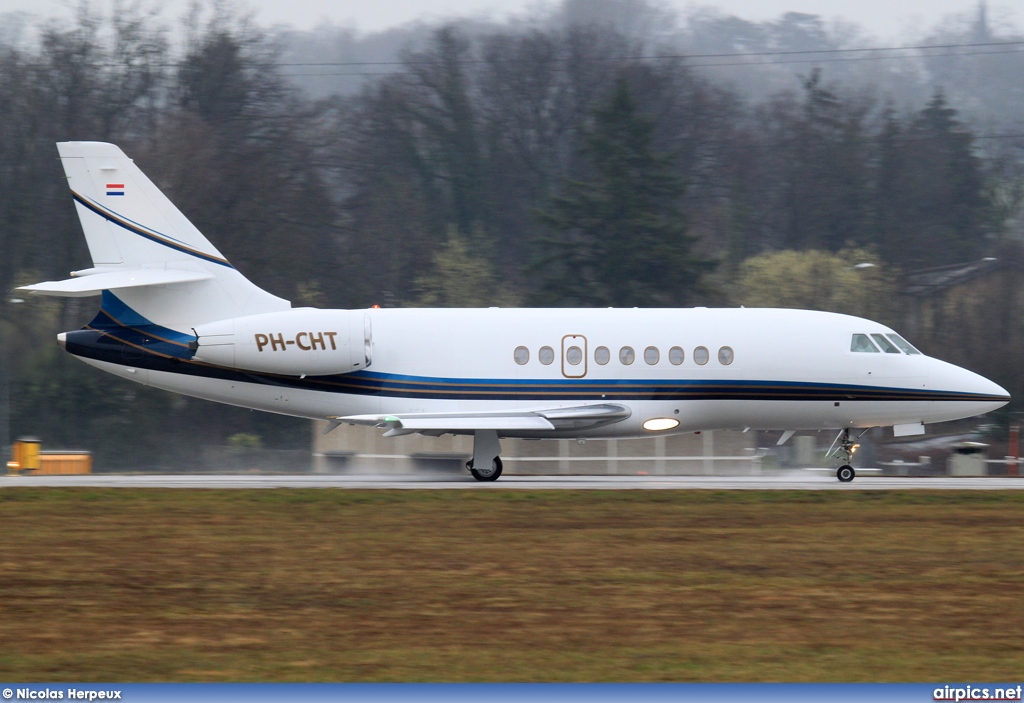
x=842, y=59
x=861, y=58
x=656, y=57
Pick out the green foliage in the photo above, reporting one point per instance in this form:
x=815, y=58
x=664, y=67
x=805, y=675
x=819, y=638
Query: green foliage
x=244, y=442
x=460, y=279
x=620, y=238
x=310, y=294
x=818, y=280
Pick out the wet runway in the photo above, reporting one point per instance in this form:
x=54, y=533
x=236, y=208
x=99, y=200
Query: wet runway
x=794, y=480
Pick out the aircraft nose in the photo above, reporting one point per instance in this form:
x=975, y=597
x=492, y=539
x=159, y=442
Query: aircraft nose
x=988, y=392
x=1000, y=391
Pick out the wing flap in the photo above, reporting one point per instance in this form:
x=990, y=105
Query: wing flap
x=501, y=422
x=452, y=421
x=549, y=419
x=96, y=283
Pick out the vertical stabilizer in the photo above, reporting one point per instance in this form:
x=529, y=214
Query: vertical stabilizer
x=130, y=224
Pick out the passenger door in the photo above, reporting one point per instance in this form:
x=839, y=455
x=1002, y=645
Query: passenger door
x=574, y=356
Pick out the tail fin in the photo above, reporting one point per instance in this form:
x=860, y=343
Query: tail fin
x=129, y=226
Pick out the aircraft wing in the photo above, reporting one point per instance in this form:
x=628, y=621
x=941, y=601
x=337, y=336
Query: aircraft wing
x=552, y=419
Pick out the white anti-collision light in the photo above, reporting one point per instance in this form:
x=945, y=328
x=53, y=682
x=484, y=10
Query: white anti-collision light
x=660, y=424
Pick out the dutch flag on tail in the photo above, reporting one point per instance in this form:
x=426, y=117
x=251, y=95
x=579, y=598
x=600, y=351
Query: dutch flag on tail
x=115, y=189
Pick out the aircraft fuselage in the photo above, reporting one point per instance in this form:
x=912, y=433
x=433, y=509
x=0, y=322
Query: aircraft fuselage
x=762, y=368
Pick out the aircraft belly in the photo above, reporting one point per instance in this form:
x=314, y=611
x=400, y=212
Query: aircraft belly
x=693, y=415
x=814, y=415
x=127, y=372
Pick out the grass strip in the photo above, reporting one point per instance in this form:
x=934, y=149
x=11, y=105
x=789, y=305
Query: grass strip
x=339, y=585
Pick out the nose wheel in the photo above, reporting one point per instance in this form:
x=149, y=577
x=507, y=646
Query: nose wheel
x=845, y=473
x=490, y=474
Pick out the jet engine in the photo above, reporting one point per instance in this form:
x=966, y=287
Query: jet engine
x=298, y=342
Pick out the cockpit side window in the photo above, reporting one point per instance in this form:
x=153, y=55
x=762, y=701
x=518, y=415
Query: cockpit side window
x=887, y=346
x=862, y=343
x=903, y=344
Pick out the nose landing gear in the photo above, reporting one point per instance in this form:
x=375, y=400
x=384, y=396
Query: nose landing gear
x=844, y=451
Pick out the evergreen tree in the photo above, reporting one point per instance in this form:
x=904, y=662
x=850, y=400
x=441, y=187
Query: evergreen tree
x=931, y=203
x=826, y=183
x=620, y=237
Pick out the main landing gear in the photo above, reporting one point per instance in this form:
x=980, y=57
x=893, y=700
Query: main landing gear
x=847, y=447
x=490, y=474
x=485, y=464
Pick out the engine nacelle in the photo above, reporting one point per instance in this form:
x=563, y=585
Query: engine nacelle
x=299, y=342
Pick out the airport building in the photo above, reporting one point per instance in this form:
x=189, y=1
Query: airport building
x=357, y=449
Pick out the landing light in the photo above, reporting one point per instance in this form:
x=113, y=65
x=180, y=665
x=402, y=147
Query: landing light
x=659, y=424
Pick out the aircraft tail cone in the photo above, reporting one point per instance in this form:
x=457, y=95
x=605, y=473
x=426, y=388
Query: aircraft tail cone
x=62, y=340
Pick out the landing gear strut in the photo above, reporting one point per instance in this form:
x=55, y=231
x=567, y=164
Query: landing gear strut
x=485, y=464
x=847, y=447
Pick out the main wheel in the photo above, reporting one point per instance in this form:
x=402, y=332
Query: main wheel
x=845, y=473
x=491, y=474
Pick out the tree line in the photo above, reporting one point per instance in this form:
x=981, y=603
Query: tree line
x=521, y=165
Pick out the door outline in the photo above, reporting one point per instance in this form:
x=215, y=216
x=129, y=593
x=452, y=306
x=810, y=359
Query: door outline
x=574, y=340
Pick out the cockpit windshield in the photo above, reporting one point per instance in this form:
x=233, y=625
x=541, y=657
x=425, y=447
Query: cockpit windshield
x=862, y=343
x=890, y=343
x=887, y=346
x=903, y=344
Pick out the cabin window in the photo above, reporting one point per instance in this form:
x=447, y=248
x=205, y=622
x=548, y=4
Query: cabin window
x=725, y=356
x=546, y=355
x=522, y=355
x=574, y=355
x=602, y=355
x=701, y=355
x=903, y=344
x=676, y=355
x=627, y=356
x=652, y=356
x=887, y=346
x=862, y=343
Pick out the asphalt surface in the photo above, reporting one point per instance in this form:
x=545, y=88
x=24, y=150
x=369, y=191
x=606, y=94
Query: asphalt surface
x=794, y=480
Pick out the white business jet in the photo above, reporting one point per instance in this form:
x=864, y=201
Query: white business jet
x=175, y=314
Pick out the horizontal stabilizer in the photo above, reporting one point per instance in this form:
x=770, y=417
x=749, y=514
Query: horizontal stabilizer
x=96, y=283
x=578, y=417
